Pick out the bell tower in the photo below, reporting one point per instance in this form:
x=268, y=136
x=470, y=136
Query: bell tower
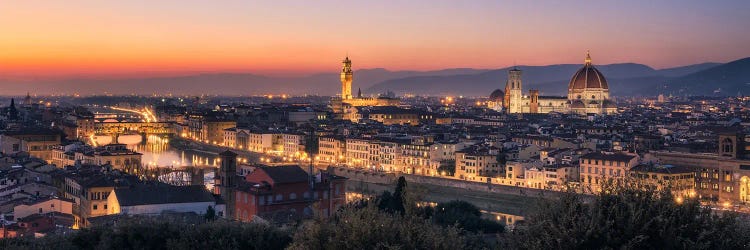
x=226, y=180
x=346, y=79
x=513, y=91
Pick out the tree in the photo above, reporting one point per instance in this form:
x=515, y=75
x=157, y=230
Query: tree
x=161, y=232
x=394, y=202
x=370, y=228
x=210, y=214
x=398, y=195
x=384, y=201
x=464, y=215
x=627, y=217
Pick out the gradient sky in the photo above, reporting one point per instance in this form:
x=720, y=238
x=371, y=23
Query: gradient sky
x=72, y=37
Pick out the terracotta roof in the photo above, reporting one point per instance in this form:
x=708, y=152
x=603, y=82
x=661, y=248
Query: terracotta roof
x=285, y=174
x=662, y=169
x=588, y=77
x=608, y=157
x=162, y=194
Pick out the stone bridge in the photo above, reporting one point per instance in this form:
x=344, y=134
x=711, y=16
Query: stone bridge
x=113, y=128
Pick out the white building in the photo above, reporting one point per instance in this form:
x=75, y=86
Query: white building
x=154, y=199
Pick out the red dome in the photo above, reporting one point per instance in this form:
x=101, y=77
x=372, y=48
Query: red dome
x=588, y=77
x=497, y=95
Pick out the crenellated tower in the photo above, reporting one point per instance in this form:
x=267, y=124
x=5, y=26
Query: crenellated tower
x=346, y=79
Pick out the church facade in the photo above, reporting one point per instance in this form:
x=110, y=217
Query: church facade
x=588, y=93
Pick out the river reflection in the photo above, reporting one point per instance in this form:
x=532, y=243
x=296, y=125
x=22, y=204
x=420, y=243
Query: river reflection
x=157, y=153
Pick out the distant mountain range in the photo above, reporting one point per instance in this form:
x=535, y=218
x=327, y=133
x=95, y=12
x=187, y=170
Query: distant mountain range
x=624, y=79
x=215, y=83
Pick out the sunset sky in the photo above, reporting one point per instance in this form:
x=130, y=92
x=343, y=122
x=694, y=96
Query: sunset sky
x=60, y=38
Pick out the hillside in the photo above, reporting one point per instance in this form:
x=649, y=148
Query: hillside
x=726, y=79
x=624, y=79
x=551, y=80
x=215, y=83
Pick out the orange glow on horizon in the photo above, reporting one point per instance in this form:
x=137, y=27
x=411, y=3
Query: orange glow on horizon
x=83, y=37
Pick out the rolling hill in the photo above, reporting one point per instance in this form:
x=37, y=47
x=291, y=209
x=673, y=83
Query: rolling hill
x=623, y=78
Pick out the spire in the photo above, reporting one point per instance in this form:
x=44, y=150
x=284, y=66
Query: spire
x=359, y=92
x=588, y=58
x=12, y=111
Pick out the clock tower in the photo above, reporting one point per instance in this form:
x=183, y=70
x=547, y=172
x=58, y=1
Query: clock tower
x=346, y=79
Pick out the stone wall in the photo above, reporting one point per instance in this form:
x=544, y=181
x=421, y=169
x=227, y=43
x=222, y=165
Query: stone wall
x=363, y=175
x=390, y=178
x=478, y=186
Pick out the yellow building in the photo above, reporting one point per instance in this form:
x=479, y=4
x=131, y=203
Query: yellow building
x=475, y=162
x=331, y=149
x=213, y=130
x=722, y=177
x=38, y=143
x=597, y=168
x=85, y=126
x=679, y=180
x=550, y=177
x=90, y=195
x=359, y=153
x=116, y=155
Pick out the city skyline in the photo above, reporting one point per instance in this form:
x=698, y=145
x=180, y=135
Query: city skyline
x=83, y=38
x=351, y=124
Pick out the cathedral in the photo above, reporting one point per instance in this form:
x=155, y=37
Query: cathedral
x=588, y=93
x=347, y=101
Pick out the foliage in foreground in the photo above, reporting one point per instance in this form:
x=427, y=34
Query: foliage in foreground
x=395, y=221
x=461, y=214
x=465, y=216
x=369, y=228
x=618, y=218
x=149, y=233
x=628, y=218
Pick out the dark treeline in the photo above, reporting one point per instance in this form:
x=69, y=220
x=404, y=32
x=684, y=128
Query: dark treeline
x=618, y=218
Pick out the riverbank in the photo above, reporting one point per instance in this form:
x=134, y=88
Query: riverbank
x=190, y=145
x=494, y=198
x=489, y=197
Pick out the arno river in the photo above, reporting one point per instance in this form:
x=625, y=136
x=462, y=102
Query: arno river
x=157, y=152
